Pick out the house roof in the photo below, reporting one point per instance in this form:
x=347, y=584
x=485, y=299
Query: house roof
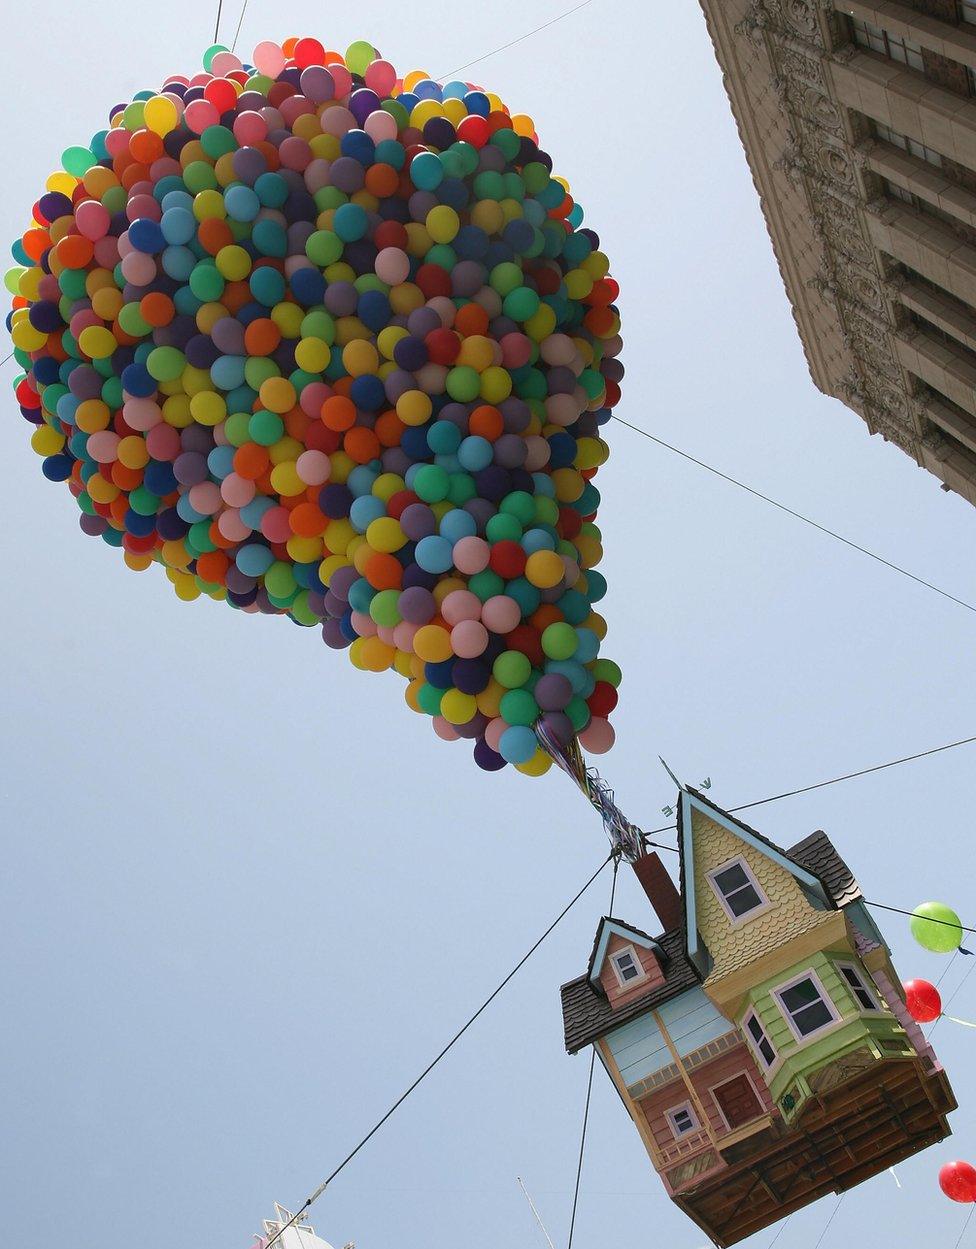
x=588, y=1014
x=817, y=854
x=607, y=927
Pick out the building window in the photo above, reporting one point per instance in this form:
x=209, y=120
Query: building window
x=967, y=10
x=682, y=1120
x=737, y=889
x=806, y=1006
x=627, y=966
x=899, y=192
x=877, y=40
x=906, y=144
x=856, y=983
x=760, y=1041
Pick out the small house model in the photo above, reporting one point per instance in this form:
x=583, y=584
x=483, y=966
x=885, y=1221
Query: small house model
x=761, y=1042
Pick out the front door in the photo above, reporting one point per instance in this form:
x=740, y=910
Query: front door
x=738, y=1101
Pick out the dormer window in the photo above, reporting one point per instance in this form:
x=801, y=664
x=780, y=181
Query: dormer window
x=682, y=1120
x=627, y=966
x=737, y=890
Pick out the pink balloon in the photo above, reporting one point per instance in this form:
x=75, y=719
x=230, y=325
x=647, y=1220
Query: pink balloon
x=275, y=524
x=562, y=409
x=558, y=349
x=343, y=82
x=117, y=142
x=516, y=350
x=82, y=320
x=445, y=308
x=385, y=634
x=317, y=174
x=103, y=446
x=138, y=268
x=237, y=491
x=205, y=498
x=494, y=731
x=107, y=252
x=200, y=114
x=598, y=736
x=392, y=265
x=338, y=120
x=364, y=625
x=471, y=555
x=142, y=414
x=461, y=605
x=403, y=635
x=445, y=730
x=142, y=206
x=225, y=63
x=313, y=396
x=232, y=527
x=269, y=59
x=381, y=77
x=432, y=378
x=250, y=128
x=501, y=614
x=92, y=220
x=314, y=468
x=469, y=639
x=163, y=442
x=380, y=125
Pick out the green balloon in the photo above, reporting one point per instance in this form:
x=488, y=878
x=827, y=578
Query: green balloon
x=607, y=670
x=511, y=669
x=486, y=584
x=279, y=580
x=432, y=483
x=936, y=927
x=503, y=527
x=559, y=641
x=429, y=699
x=265, y=427
x=519, y=707
x=383, y=608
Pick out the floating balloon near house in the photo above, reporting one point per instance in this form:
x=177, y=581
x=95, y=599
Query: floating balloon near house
x=958, y=1181
x=936, y=927
x=333, y=344
x=923, y=1000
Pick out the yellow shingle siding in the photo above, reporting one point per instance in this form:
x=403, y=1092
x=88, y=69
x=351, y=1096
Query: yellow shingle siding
x=789, y=914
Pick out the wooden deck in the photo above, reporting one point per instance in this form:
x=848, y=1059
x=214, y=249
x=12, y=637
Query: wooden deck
x=851, y=1133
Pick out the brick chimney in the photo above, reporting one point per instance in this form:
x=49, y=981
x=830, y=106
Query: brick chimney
x=660, y=888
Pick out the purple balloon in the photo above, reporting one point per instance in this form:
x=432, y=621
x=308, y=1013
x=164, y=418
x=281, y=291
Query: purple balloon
x=190, y=468
x=486, y=758
x=417, y=605
x=418, y=521
x=343, y=579
x=559, y=726
x=553, y=691
x=333, y=636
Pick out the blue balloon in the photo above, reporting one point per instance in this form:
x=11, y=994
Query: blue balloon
x=434, y=553
x=517, y=744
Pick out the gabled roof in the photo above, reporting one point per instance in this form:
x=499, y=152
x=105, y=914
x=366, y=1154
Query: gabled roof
x=690, y=800
x=608, y=928
x=588, y=1015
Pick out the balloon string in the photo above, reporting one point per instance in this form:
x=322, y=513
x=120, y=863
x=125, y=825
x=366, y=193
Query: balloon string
x=625, y=838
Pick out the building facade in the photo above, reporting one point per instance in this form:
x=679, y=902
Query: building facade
x=761, y=1044
x=858, y=118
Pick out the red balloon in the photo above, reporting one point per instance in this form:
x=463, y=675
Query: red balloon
x=923, y=1000
x=958, y=1181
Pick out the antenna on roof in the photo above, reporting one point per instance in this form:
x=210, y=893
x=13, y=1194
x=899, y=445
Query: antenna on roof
x=535, y=1212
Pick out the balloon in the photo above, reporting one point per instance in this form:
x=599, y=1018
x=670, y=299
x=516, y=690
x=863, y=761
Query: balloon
x=936, y=927
x=958, y=1181
x=331, y=343
x=923, y=1000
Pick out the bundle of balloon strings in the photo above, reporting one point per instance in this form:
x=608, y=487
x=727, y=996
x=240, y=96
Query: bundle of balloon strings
x=626, y=839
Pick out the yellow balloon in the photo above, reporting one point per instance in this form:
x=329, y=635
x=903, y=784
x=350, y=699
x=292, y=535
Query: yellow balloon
x=160, y=115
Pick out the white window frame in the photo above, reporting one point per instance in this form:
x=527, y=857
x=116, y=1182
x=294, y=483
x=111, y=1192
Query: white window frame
x=688, y=1109
x=641, y=973
x=764, y=903
x=967, y=11
x=718, y=1106
x=828, y=1001
x=753, y=1044
x=867, y=987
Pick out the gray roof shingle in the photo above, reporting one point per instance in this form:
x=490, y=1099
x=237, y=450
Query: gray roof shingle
x=817, y=854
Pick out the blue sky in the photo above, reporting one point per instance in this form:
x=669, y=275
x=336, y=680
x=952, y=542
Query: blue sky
x=247, y=894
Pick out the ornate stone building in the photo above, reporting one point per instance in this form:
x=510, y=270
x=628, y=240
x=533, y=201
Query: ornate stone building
x=859, y=123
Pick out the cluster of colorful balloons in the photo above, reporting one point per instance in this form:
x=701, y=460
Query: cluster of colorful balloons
x=330, y=343
x=937, y=927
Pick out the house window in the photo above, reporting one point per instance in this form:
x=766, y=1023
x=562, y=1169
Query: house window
x=877, y=40
x=682, y=1120
x=760, y=1041
x=806, y=1006
x=627, y=966
x=912, y=146
x=737, y=889
x=967, y=10
x=855, y=982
